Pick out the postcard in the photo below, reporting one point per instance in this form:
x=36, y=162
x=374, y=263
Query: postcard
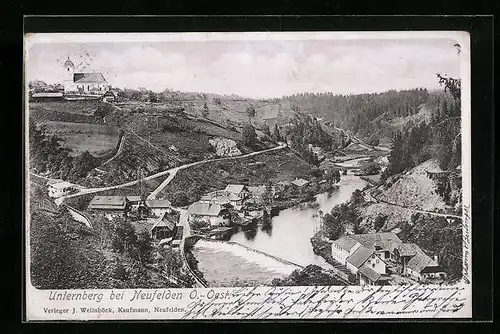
x=255, y=175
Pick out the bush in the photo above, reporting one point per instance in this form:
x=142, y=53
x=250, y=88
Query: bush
x=180, y=198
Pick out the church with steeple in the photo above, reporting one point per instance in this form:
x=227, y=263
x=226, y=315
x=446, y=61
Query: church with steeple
x=92, y=83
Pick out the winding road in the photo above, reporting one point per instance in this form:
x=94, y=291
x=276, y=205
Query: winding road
x=172, y=172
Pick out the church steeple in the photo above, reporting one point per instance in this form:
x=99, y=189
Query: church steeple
x=68, y=63
x=69, y=70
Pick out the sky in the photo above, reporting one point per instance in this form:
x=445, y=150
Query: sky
x=261, y=68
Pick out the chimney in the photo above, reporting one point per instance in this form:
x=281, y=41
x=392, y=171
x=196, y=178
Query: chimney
x=436, y=258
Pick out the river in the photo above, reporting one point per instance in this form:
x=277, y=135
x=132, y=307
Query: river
x=287, y=237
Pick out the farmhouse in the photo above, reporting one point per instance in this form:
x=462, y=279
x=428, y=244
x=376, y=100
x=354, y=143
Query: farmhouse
x=211, y=212
x=158, y=206
x=416, y=264
x=83, y=83
x=239, y=190
x=165, y=227
x=368, y=256
x=108, y=203
x=355, y=256
x=62, y=188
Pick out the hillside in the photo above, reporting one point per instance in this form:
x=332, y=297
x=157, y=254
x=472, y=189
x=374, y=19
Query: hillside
x=407, y=193
x=66, y=254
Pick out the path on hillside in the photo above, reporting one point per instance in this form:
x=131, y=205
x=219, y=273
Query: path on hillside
x=171, y=171
x=118, y=151
x=440, y=214
x=174, y=171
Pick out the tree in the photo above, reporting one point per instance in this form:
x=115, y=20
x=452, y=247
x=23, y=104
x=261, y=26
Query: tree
x=205, y=110
x=370, y=168
x=180, y=198
x=276, y=133
x=266, y=130
x=250, y=110
x=332, y=227
x=144, y=248
x=248, y=135
x=379, y=222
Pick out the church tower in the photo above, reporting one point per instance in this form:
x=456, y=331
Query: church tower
x=69, y=70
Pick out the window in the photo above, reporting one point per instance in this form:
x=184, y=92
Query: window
x=378, y=261
x=373, y=265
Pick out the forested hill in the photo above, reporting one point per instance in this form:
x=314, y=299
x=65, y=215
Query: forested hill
x=367, y=115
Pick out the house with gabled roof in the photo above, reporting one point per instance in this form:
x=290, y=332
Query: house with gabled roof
x=360, y=250
x=239, y=190
x=165, y=227
x=108, y=203
x=159, y=206
x=209, y=211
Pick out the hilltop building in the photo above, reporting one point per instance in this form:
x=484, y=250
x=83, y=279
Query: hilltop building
x=83, y=82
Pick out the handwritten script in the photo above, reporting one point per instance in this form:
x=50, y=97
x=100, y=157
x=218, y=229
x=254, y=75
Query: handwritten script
x=332, y=302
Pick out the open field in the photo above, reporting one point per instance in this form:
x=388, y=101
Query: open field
x=65, y=111
x=80, y=137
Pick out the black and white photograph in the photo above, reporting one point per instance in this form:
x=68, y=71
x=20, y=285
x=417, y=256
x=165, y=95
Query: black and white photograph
x=237, y=160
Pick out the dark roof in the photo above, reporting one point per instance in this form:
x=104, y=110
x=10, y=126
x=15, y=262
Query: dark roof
x=360, y=256
x=108, y=202
x=420, y=261
x=88, y=77
x=433, y=269
x=165, y=220
x=203, y=208
x=388, y=241
x=346, y=242
x=370, y=273
x=407, y=249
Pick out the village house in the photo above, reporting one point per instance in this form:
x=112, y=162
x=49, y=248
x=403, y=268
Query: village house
x=417, y=265
x=159, y=206
x=239, y=190
x=84, y=82
x=211, y=212
x=219, y=196
x=165, y=227
x=62, y=188
x=237, y=194
x=371, y=256
x=112, y=206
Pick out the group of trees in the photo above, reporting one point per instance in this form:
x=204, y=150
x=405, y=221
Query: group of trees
x=311, y=275
x=306, y=130
x=248, y=135
x=125, y=240
x=438, y=139
x=356, y=112
x=48, y=155
x=344, y=216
